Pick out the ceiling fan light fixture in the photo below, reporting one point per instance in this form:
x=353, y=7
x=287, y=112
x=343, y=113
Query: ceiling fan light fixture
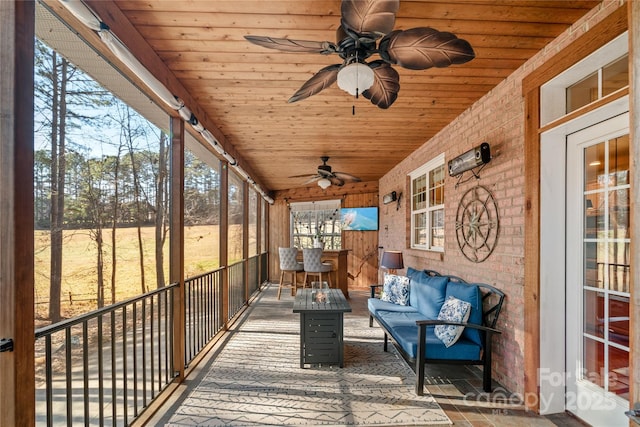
x=324, y=183
x=355, y=78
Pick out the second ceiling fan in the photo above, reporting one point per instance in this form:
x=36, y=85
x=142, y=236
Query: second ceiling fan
x=325, y=176
x=363, y=23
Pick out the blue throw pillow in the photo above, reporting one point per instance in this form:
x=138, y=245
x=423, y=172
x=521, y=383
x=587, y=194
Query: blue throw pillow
x=471, y=294
x=453, y=310
x=428, y=295
x=395, y=289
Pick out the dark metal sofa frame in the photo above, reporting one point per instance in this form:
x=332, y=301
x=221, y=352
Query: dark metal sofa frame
x=492, y=300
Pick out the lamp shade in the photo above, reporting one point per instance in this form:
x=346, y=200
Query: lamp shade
x=355, y=78
x=392, y=260
x=324, y=183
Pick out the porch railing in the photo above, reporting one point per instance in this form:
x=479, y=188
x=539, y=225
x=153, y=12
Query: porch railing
x=237, y=289
x=105, y=367
x=203, y=311
x=264, y=267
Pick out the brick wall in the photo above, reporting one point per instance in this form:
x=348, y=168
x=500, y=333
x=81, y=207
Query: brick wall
x=498, y=119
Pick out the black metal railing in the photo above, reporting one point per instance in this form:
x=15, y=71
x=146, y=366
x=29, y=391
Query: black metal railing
x=104, y=367
x=264, y=267
x=237, y=289
x=203, y=311
x=252, y=274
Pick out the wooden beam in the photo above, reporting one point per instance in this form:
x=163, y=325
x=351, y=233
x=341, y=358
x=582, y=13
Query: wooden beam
x=634, y=146
x=17, y=394
x=176, y=242
x=333, y=192
x=532, y=248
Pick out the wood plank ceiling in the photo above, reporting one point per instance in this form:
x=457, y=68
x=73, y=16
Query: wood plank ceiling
x=244, y=88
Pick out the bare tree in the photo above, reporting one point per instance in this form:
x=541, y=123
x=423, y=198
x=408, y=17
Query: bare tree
x=114, y=220
x=58, y=134
x=130, y=135
x=92, y=194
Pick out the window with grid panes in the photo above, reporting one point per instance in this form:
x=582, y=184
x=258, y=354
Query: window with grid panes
x=427, y=205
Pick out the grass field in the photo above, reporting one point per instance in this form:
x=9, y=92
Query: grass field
x=79, y=270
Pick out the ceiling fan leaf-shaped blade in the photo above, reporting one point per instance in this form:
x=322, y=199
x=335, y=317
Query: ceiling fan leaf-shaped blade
x=289, y=45
x=373, y=18
x=313, y=179
x=386, y=85
x=336, y=181
x=423, y=47
x=306, y=175
x=346, y=177
x=320, y=81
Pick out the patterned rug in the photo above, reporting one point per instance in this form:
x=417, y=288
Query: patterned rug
x=256, y=379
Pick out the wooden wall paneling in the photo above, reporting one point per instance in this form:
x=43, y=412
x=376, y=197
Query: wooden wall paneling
x=634, y=101
x=363, y=255
x=17, y=373
x=279, y=235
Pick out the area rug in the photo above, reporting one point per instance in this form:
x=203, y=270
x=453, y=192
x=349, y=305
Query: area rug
x=256, y=379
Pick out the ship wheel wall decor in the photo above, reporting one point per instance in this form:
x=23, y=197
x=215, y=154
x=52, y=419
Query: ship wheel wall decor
x=477, y=224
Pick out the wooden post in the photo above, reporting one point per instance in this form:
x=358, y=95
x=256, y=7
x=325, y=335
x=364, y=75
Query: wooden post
x=634, y=155
x=245, y=239
x=17, y=391
x=176, y=262
x=259, y=235
x=224, y=240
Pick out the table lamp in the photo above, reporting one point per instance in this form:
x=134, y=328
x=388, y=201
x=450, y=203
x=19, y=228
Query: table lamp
x=392, y=261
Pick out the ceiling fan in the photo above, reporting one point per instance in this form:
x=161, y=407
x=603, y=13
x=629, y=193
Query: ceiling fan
x=326, y=177
x=363, y=23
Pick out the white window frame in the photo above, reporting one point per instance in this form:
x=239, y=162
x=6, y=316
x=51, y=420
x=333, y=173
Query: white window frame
x=553, y=94
x=425, y=170
x=332, y=238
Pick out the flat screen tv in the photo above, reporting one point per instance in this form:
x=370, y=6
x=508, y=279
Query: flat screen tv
x=362, y=219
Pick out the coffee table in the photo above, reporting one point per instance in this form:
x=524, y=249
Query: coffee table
x=321, y=326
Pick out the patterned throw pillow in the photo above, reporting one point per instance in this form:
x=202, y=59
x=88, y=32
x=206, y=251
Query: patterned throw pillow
x=453, y=310
x=395, y=289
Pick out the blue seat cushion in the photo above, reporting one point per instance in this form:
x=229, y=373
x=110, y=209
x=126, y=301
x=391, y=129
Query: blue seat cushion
x=428, y=294
x=407, y=338
x=471, y=294
x=391, y=319
x=375, y=305
x=404, y=331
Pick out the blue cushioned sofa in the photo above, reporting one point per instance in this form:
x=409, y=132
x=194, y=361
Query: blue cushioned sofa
x=411, y=327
